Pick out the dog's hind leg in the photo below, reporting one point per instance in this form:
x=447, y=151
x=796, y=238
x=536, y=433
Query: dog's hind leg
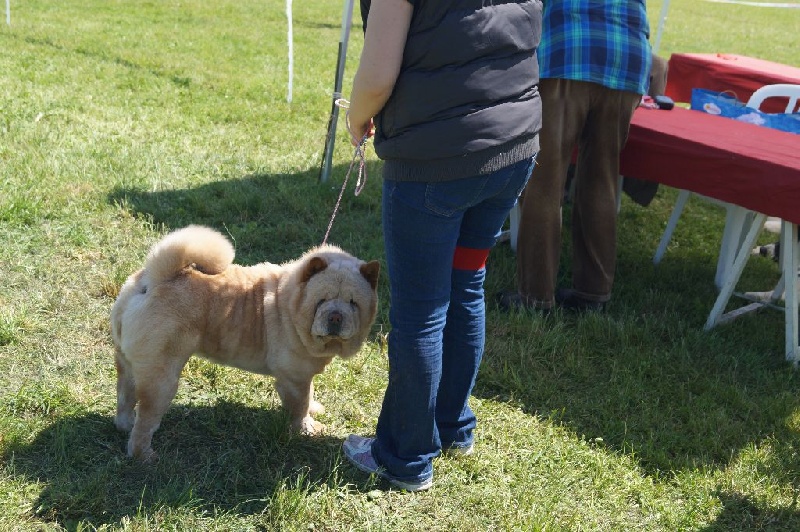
x=155, y=390
x=126, y=393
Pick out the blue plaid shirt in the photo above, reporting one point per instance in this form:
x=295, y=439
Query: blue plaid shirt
x=601, y=41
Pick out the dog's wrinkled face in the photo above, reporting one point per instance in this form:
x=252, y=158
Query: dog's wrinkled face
x=341, y=299
x=335, y=319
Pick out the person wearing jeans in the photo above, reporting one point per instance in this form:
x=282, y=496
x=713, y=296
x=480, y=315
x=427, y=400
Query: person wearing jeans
x=438, y=237
x=457, y=115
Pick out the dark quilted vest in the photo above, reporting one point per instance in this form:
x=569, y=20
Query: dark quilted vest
x=466, y=101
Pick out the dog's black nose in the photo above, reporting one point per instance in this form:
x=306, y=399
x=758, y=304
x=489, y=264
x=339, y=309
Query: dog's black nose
x=335, y=323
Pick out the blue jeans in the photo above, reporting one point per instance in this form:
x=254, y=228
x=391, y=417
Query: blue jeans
x=437, y=311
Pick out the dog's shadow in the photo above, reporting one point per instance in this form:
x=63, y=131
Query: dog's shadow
x=225, y=458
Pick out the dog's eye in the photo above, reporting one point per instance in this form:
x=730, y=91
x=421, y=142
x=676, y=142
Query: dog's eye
x=353, y=304
x=320, y=302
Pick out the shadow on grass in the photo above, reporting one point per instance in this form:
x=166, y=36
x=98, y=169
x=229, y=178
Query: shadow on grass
x=741, y=513
x=645, y=378
x=221, y=459
x=274, y=217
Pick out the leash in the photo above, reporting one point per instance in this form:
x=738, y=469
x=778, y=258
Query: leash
x=361, y=153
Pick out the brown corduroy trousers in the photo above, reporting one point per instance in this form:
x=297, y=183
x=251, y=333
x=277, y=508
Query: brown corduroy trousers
x=595, y=119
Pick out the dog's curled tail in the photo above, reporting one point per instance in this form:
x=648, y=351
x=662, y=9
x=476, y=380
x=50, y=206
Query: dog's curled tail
x=194, y=246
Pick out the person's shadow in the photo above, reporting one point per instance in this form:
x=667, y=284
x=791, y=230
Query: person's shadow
x=273, y=217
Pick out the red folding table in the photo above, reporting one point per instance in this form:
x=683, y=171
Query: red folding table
x=739, y=74
x=754, y=167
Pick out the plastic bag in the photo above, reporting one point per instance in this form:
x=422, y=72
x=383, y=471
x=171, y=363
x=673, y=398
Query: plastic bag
x=727, y=105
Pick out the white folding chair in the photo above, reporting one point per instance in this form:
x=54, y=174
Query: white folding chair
x=737, y=219
x=787, y=286
x=779, y=90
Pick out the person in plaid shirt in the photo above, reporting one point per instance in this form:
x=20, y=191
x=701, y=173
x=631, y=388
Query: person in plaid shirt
x=595, y=63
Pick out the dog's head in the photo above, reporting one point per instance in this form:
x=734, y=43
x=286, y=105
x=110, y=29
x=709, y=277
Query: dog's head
x=335, y=302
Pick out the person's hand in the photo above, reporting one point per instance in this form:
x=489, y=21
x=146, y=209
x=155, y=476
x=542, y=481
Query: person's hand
x=357, y=131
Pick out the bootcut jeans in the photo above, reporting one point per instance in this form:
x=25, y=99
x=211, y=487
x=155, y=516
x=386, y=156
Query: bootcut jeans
x=437, y=236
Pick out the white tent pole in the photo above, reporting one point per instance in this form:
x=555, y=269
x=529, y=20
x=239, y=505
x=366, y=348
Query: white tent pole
x=290, y=39
x=330, y=139
x=8, y=12
x=662, y=19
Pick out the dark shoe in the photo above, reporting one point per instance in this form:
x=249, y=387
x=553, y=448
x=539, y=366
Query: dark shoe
x=513, y=301
x=569, y=300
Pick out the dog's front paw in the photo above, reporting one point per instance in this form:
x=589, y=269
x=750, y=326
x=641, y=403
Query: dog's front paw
x=146, y=455
x=309, y=426
x=149, y=457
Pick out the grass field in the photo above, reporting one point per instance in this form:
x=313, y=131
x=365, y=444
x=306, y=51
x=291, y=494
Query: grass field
x=120, y=121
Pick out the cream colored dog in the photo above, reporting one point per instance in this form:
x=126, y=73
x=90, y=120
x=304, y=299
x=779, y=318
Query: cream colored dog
x=288, y=321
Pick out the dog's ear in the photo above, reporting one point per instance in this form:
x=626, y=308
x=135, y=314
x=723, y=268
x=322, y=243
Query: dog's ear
x=313, y=267
x=370, y=271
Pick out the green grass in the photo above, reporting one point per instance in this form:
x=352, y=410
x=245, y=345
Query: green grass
x=120, y=121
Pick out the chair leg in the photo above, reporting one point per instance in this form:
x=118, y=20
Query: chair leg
x=789, y=262
x=777, y=292
x=737, y=220
x=735, y=271
x=683, y=197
